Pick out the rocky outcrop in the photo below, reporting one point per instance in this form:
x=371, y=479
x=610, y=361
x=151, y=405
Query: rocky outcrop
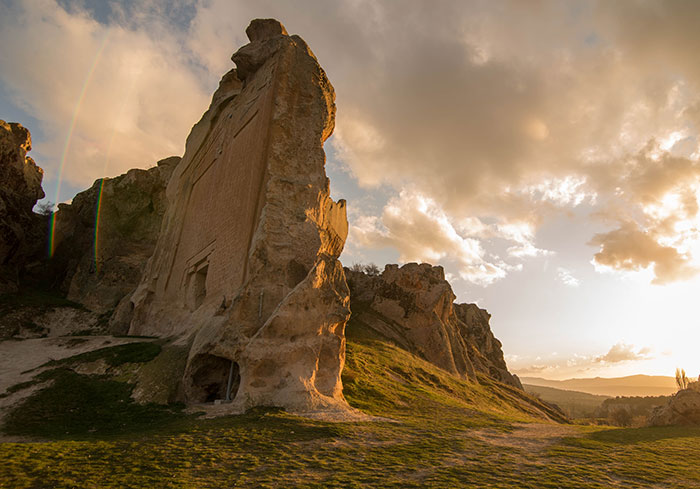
x=103, y=239
x=20, y=188
x=414, y=307
x=246, y=267
x=682, y=409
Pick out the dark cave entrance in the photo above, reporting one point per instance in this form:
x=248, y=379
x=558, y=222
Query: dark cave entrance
x=211, y=378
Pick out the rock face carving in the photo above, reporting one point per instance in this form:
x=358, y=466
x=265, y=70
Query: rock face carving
x=413, y=306
x=98, y=263
x=20, y=188
x=246, y=263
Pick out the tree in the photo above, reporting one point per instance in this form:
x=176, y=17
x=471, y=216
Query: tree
x=372, y=270
x=621, y=417
x=681, y=379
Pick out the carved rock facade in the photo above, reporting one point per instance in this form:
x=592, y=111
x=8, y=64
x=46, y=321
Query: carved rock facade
x=246, y=267
x=413, y=306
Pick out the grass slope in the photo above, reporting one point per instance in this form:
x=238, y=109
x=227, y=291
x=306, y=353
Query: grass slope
x=443, y=433
x=574, y=404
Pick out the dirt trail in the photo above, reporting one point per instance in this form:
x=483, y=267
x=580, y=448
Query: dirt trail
x=531, y=437
x=17, y=357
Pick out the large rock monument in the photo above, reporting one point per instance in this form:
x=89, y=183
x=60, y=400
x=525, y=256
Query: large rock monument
x=246, y=266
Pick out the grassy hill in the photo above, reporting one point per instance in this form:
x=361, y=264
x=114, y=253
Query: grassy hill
x=574, y=404
x=633, y=385
x=434, y=430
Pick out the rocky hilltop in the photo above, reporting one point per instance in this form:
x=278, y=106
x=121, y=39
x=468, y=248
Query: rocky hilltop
x=105, y=236
x=683, y=408
x=103, y=239
x=20, y=188
x=414, y=307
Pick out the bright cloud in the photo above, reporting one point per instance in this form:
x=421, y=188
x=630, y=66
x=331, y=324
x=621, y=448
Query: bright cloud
x=621, y=352
x=567, y=278
x=133, y=91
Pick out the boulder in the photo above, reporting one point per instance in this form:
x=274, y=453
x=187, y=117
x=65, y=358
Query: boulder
x=682, y=409
x=246, y=266
x=20, y=188
x=414, y=307
x=103, y=239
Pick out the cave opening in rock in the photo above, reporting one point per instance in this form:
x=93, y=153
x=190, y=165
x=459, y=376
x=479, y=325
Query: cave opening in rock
x=213, y=377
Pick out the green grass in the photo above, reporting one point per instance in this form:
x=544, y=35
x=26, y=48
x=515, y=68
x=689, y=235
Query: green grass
x=84, y=407
x=115, y=355
x=440, y=432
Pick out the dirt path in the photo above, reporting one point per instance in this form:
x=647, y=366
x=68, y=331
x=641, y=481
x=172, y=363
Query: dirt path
x=531, y=437
x=17, y=357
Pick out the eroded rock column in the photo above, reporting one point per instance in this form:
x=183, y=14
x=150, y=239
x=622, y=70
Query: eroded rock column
x=246, y=266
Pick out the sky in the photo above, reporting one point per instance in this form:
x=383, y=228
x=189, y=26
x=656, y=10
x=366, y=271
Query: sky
x=545, y=153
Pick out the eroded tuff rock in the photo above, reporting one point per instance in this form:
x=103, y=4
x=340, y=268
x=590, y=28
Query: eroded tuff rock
x=246, y=264
x=682, y=409
x=99, y=262
x=20, y=188
x=413, y=306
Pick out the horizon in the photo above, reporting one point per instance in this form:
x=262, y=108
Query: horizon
x=545, y=155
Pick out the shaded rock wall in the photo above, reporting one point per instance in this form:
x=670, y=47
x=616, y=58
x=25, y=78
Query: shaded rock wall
x=20, y=188
x=413, y=306
x=246, y=264
x=99, y=262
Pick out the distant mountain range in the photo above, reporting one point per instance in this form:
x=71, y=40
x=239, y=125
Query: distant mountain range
x=633, y=385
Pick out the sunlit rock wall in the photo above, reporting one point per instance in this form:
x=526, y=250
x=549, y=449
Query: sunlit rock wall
x=414, y=306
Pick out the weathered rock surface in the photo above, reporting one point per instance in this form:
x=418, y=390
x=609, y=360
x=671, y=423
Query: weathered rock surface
x=20, y=188
x=246, y=264
x=97, y=262
x=682, y=409
x=46, y=320
x=413, y=306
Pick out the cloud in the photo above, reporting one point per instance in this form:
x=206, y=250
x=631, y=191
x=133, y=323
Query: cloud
x=630, y=248
x=621, y=352
x=565, y=277
x=656, y=209
x=140, y=93
x=533, y=370
x=421, y=231
x=500, y=116
x=578, y=364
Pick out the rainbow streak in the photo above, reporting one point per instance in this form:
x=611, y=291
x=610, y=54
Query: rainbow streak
x=88, y=78
x=98, y=210
x=97, y=221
